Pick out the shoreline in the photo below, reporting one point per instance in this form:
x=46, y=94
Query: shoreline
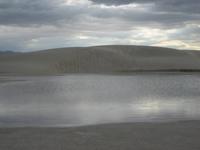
x=160, y=72
x=11, y=78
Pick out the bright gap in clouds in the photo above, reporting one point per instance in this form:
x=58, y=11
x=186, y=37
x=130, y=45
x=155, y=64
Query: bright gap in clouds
x=76, y=2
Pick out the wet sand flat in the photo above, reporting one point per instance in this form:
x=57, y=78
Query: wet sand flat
x=129, y=136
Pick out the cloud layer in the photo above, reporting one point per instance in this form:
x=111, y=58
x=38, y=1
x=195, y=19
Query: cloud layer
x=40, y=24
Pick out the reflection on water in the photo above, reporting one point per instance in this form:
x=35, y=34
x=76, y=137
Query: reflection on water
x=93, y=99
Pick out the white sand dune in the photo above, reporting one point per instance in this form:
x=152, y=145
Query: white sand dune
x=99, y=59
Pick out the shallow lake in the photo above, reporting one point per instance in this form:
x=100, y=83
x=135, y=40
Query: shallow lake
x=74, y=100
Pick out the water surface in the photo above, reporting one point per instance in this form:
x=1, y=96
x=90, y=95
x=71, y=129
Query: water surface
x=74, y=100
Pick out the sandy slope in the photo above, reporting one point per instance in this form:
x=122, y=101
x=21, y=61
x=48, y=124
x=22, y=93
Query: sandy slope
x=136, y=136
x=99, y=59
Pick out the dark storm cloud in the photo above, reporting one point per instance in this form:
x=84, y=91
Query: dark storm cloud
x=23, y=12
x=54, y=12
x=191, y=6
x=183, y=6
x=114, y=2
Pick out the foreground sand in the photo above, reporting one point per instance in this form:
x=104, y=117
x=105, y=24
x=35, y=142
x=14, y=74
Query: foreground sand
x=130, y=136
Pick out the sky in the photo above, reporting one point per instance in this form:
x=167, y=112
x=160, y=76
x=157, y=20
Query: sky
x=29, y=25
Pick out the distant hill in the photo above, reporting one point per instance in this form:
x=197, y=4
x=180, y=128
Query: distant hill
x=6, y=52
x=99, y=59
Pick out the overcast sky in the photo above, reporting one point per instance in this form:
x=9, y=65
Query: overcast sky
x=27, y=25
